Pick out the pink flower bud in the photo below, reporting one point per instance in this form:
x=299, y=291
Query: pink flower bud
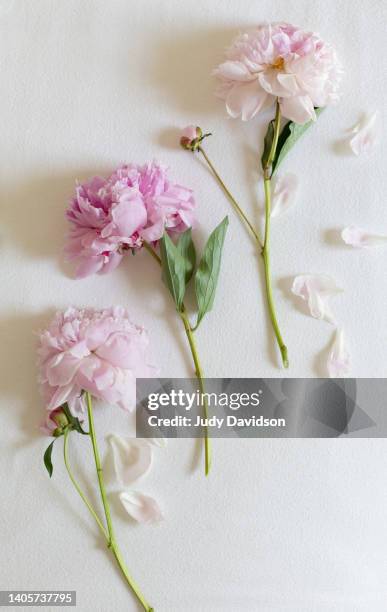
x=191, y=137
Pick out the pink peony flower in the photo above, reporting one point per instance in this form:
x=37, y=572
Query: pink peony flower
x=99, y=351
x=279, y=61
x=111, y=216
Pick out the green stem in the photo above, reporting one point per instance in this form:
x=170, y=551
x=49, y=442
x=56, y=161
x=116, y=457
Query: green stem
x=112, y=543
x=78, y=488
x=273, y=148
x=199, y=375
x=228, y=193
x=198, y=370
x=266, y=244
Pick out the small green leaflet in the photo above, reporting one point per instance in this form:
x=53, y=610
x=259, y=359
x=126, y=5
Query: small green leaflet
x=174, y=270
x=186, y=248
x=206, y=277
x=47, y=458
x=288, y=138
x=74, y=422
x=267, y=144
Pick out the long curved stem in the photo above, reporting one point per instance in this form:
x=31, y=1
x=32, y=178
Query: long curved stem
x=269, y=291
x=198, y=369
x=266, y=244
x=199, y=375
x=112, y=543
x=229, y=195
x=78, y=488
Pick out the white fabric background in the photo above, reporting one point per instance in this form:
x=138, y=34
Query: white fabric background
x=280, y=525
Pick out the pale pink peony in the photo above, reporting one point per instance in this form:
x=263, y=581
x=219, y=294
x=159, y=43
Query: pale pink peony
x=111, y=216
x=99, y=351
x=279, y=61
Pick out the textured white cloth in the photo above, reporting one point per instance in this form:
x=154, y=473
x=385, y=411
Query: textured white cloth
x=280, y=525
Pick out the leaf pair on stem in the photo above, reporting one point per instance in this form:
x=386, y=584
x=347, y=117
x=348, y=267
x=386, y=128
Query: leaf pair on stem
x=178, y=262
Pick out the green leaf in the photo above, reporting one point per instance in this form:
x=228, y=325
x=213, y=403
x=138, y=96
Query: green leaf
x=173, y=270
x=206, y=277
x=47, y=458
x=186, y=248
x=74, y=421
x=291, y=132
x=267, y=144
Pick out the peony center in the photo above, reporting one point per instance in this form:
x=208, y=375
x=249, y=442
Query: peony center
x=278, y=64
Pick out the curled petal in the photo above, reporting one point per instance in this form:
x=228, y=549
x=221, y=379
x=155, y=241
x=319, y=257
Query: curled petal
x=132, y=458
x=315, y=289
x=246, y=100
x=140, y=507
x=364, y=134
x=284, y=194
x=299, y=109
x=89, y=266
x=161, y=442
x=358, y=238
x=338, y=363
x=234, y=71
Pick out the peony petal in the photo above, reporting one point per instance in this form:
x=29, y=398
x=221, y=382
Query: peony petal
x=315, y=289
x=289, y=81
x=299, y=109
x=130, y=214
x=358, y=238
x=113, y=260
x=284, y=193
x=234, y=71
x=160, y=441
x=365, y=134
x=89, y=266
x=140, y=507
x=60, y=397
x=154, y=232
x=132, y=458
x=338, y=363
x=247, y=99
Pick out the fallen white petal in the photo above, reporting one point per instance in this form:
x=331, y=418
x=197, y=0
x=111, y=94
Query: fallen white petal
x=315, y=289
x=365, y=134
x=161, y=442
x=140, y=507
x=284, y=194
x=338, y=363
x=132, y=458
x=358, y=238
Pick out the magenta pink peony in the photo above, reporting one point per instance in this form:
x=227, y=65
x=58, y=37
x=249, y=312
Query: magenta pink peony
x=99, y=351
x=112, y=216
x=279, y=61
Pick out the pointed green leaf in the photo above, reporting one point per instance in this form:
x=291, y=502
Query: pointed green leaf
x=291, y=132
x=186, y=248
x=173, y=270
x=267, y=144
x=74, y=421
x=207, y=274
x=47, y=458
